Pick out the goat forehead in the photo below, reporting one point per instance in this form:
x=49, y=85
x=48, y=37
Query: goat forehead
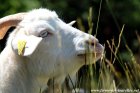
x=40, y=14
x=50, y=17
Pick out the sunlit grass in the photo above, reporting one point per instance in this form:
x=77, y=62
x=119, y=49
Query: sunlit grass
x=103, y=76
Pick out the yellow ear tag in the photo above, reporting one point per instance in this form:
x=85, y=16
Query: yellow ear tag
x=21, y=46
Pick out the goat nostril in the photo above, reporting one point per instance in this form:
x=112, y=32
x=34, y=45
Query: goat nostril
x=91, y=42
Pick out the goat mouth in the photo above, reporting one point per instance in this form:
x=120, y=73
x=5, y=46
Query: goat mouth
x=95, y=55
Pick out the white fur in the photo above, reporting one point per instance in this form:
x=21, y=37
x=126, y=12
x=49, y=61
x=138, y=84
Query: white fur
x=45, y=57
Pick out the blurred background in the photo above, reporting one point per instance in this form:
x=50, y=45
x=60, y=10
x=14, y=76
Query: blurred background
x=113, y=15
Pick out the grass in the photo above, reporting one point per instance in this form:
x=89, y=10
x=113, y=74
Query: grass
x=104, y=76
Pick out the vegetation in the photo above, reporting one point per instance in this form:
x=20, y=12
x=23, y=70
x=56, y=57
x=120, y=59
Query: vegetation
x=116, y=74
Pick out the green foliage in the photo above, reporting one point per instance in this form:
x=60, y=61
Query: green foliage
x=13, y=6
x=126, y=10
x=105, y=76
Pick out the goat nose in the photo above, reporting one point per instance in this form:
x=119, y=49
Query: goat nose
x=92, y=41
x=94, y=45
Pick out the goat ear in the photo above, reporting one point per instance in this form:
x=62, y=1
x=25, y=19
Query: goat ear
x=72, y=23
x=9, y=21
x=25, y=45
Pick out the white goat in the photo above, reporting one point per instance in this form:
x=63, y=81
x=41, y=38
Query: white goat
x=53, y=49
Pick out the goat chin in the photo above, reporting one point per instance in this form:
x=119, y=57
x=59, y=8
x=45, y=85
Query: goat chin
x=41, y=47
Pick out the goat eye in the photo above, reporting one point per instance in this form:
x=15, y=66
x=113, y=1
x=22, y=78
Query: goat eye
x=43, y=34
